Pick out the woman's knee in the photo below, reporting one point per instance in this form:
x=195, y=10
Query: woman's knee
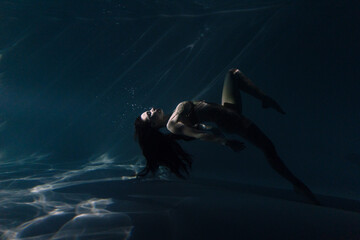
x=233, y=71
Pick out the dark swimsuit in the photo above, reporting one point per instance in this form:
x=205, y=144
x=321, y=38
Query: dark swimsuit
x=226, y=117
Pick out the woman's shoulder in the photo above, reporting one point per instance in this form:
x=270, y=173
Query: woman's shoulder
x=191, y=102
x=184, y=105
x=189, y=105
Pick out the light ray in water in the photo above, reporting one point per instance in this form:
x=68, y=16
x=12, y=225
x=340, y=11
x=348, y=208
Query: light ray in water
x=187, y=66
x=133, y=65
x=221, y=75
x=116, y=81
x=222, y=12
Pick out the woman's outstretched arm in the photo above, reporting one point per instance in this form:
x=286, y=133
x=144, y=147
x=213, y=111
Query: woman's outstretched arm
x=182, y=129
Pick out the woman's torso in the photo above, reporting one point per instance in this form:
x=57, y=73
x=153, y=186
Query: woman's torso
x=225, y=118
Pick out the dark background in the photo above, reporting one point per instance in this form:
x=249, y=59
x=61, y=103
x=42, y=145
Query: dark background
x=75, y=74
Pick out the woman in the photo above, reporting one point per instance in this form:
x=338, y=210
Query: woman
x=187, y=123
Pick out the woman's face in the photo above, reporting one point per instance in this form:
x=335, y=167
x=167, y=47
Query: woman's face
x=155, y=116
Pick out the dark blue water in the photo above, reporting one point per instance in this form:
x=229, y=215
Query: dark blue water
x=75, y=74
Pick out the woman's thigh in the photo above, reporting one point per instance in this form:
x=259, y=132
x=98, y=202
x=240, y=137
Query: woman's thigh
x=234, y=123
x=231, y=96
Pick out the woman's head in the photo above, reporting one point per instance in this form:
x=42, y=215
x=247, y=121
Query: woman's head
x=159, y=149
x=154, y=116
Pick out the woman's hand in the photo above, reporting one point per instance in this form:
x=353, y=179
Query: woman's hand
x=268, y=102
x=235, y=145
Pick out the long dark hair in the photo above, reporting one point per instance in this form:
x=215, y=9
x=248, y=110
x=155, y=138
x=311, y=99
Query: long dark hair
x=161, y=149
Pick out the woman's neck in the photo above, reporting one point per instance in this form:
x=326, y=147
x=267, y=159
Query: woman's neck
x=165, y=120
